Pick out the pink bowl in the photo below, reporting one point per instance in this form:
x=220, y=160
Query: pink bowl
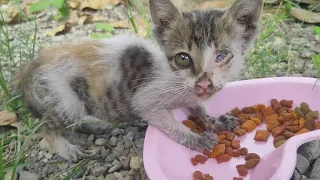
x=166, y=160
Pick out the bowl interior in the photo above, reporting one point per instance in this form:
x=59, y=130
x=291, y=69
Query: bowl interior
x=166, y=160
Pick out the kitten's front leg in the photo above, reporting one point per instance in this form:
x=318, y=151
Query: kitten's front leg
x=224, y=122
x=165, y=121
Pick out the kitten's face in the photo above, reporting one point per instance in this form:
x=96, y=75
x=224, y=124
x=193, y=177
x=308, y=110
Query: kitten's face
x=206, y=48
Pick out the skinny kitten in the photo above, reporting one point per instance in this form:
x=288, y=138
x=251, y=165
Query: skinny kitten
x=126, y=78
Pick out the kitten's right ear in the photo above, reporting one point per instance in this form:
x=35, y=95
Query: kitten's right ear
x=163, y=13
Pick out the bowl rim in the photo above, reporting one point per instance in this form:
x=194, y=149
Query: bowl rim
x=148, y=149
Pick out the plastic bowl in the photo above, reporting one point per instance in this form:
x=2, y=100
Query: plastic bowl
x=166, y=160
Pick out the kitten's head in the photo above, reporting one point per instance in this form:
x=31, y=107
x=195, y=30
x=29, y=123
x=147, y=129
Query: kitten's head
x=206, y=47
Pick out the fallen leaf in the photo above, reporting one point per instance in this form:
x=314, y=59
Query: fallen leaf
x=98, y=4
x=7, y=118
x=17, y=15
x=74, y=4
x=60, y=30
x=305, y=16
x=125, y=24
x=86, y=18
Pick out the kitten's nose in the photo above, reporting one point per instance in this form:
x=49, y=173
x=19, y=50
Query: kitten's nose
x=204, y=84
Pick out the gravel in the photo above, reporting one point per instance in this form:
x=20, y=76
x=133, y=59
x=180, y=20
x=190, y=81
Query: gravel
x=302, y=164
x=310, y=150
x=26, y=175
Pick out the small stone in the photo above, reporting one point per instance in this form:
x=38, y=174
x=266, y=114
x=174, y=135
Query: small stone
x=135, y=162
x=110, y=177
x=119, y=147
x=310, y=150
x=296, y=75
x=139, y=142
x=118, y=175
x=104, y=153
x=302, y=164
x=95, y=151
x=49, y=156
x=128, y=177
x=140, y=135
x=100, y=142
x=315, y=170
x=115, y=132
x=52, y=168
x=133, y=129
x=125, y=164
x=90, y=138
x=27, y=175
x=296, y=175
x=99, y=170
x=100, y=178
x=307, y=54
x=110, y=158
x=116, y=167
x=113, y=141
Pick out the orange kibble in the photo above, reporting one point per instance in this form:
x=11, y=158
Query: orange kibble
x=207, y=177
x=197, y=175
x=190, y=124
x=258, y=107
x=235, y=144
x=222, y=137
x=286, y=116
x=288, y=123
x=255, y=120
x=223, y=158
x=261, y=135
x=278, y=131
x=267, y=111
x=302, y=122
x=240, y=132
x=229, y=151
x=275, y=104
x=223, y=132
x=294, y=115
x=242, y=170
x=230, y=136
x=293, y=128
x=272, y=118
x=249, y=126
x=225, y=142
x=295, y=123
x=218, y=150
x=273, y=124
x=303, y=130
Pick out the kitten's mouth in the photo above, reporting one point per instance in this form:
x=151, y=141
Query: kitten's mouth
x=204, y=93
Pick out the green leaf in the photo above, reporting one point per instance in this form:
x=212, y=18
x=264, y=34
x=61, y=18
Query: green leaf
x=101, y=36
x=40, y=6
x=288, y=7
x=65, y=11
x=317, y=29
x=316, y=60
x=104, y=26
x=58, y=3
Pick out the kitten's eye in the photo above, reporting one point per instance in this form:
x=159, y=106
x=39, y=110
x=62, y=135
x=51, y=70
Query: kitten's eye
x=223, y=57
x=183, y=60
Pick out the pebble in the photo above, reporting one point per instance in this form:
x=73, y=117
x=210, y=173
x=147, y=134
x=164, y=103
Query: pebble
x=135, y=162
x=27, y=175
x=110, y=177
x=302, y=164
x=100, y=141
x=310, y=150
x=99, y=170
x=113, y=141
x=296, y=175
x=90, y=138
x=315, y=170
x=310, y=73
x=49, y=156
x=110, y=158
x=116, y=166
x=115, y=132
x=125, y=164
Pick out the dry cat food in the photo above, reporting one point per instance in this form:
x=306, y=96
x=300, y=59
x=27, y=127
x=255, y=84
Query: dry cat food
x=282, y=123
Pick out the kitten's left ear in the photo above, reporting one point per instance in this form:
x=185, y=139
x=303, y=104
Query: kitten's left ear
x=246, y=12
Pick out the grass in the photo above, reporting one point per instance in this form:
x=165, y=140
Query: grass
x=15, y=144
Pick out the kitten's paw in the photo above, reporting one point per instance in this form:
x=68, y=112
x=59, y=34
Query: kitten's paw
x=227, y=122
x=206, y=141
x=72, y=152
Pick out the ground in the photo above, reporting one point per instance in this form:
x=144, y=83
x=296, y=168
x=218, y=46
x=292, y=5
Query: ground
x=284, y=48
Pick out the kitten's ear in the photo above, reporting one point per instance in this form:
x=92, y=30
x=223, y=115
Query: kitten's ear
x=163, y=12
x=246, y=11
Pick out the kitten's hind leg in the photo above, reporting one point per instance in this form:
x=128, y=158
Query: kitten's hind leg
x=163, y=119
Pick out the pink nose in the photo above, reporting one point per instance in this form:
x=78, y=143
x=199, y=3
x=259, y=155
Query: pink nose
x=204, y=84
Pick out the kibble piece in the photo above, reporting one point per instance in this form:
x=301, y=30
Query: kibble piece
x=288, y=134
x=235, y=144
x=286, y=116
x=247, y=110
x=293, y=128
x=207, y=152
x=222, y=137
x=223, y=158
x=225, y=142
x=275, y=104
x=207, y=177
x=194, y=162
x=302, y=122
x=218, y=150
x=261, y=135
x=272, y=118
x=242, y=170
x=236, y=154
x=256, y=108
x=309, y=123
x=259, y=116
x=223, y=132
x=249, y=126
x=197, y=174
x=190, y=124
x=240, y=132
x=294, y=115
x=230, y=136
x=286, y=103
x=295, y=123
x=303, y=130
x=279, y=138
x=229, y=151
x=200, y=158
x=237, y=178
x=251, y=156
x=273, y=124
x=267, y=111
x=282, y=110
x=279, y=143
x=313, y=114
x=298, y=111
x=317, y=125
x=288, y=123
x=278, y=131
x=255, y=120
x=305, y=108
x=236, y=111
x=251, y=163
x=243, y=151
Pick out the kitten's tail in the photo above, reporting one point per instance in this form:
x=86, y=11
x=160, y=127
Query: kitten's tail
x=24, y=83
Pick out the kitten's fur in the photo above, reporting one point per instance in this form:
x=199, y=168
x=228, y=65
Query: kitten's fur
x=129, y=78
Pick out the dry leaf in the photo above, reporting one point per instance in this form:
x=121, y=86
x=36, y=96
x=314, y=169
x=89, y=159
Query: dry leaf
x=305, y=16
x=142, y=25
x=86, y=18
x=7, y=118
x=98, y=4
x=60, y=30
x=16, y=16
x=214, y=4
x=272, y=1
x=74, y=4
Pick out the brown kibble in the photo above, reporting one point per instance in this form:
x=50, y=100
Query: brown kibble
x=286, y=116
x=207, y=177
x=278, y=131
x=302, y=122
x=267, y=111
x=259, y=116
x=237, y=178
x=229, y=151
x=243, y=151
x=222, y=137
x=288, y=134
x=275, y=104
x=240, y=132
x=261, y=135
x=223, y=158
x=317, y=125
x=218, y=150
x=272, y=125
x=236, y=154
x=223, y=132
x=230, y=136
x=247, y=110
x=272, y=118
x=242, y=170
x=295, y=123
x=309, y=123
x=236, y=111
x=294, y=115
x=279, y=143
x=225, y=142
x=281, y=120
x=279, y=138
x=235, y=144
x=251, y=163
x=288, y=123
x=286, y=103
x=282, y=110
x=207, y=152
x=258, y=107
x=197, y=174
x=251, y=156
x=194, y=162
x=190, y=124
x=200, y=158
x=303, y=130
x=249, y=126
x=255, y=120
x=242, y=119
x=293, y=128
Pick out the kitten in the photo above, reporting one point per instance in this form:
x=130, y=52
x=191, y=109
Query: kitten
x=128, y=78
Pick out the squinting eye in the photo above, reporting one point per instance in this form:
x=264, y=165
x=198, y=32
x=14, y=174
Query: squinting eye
x=183, y=60
x=223, y=56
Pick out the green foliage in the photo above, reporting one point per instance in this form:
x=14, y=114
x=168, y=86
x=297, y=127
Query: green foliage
x=317, y=30
x=61, y=5
x=101, y=36
x=316, y=58
x=104, y=27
